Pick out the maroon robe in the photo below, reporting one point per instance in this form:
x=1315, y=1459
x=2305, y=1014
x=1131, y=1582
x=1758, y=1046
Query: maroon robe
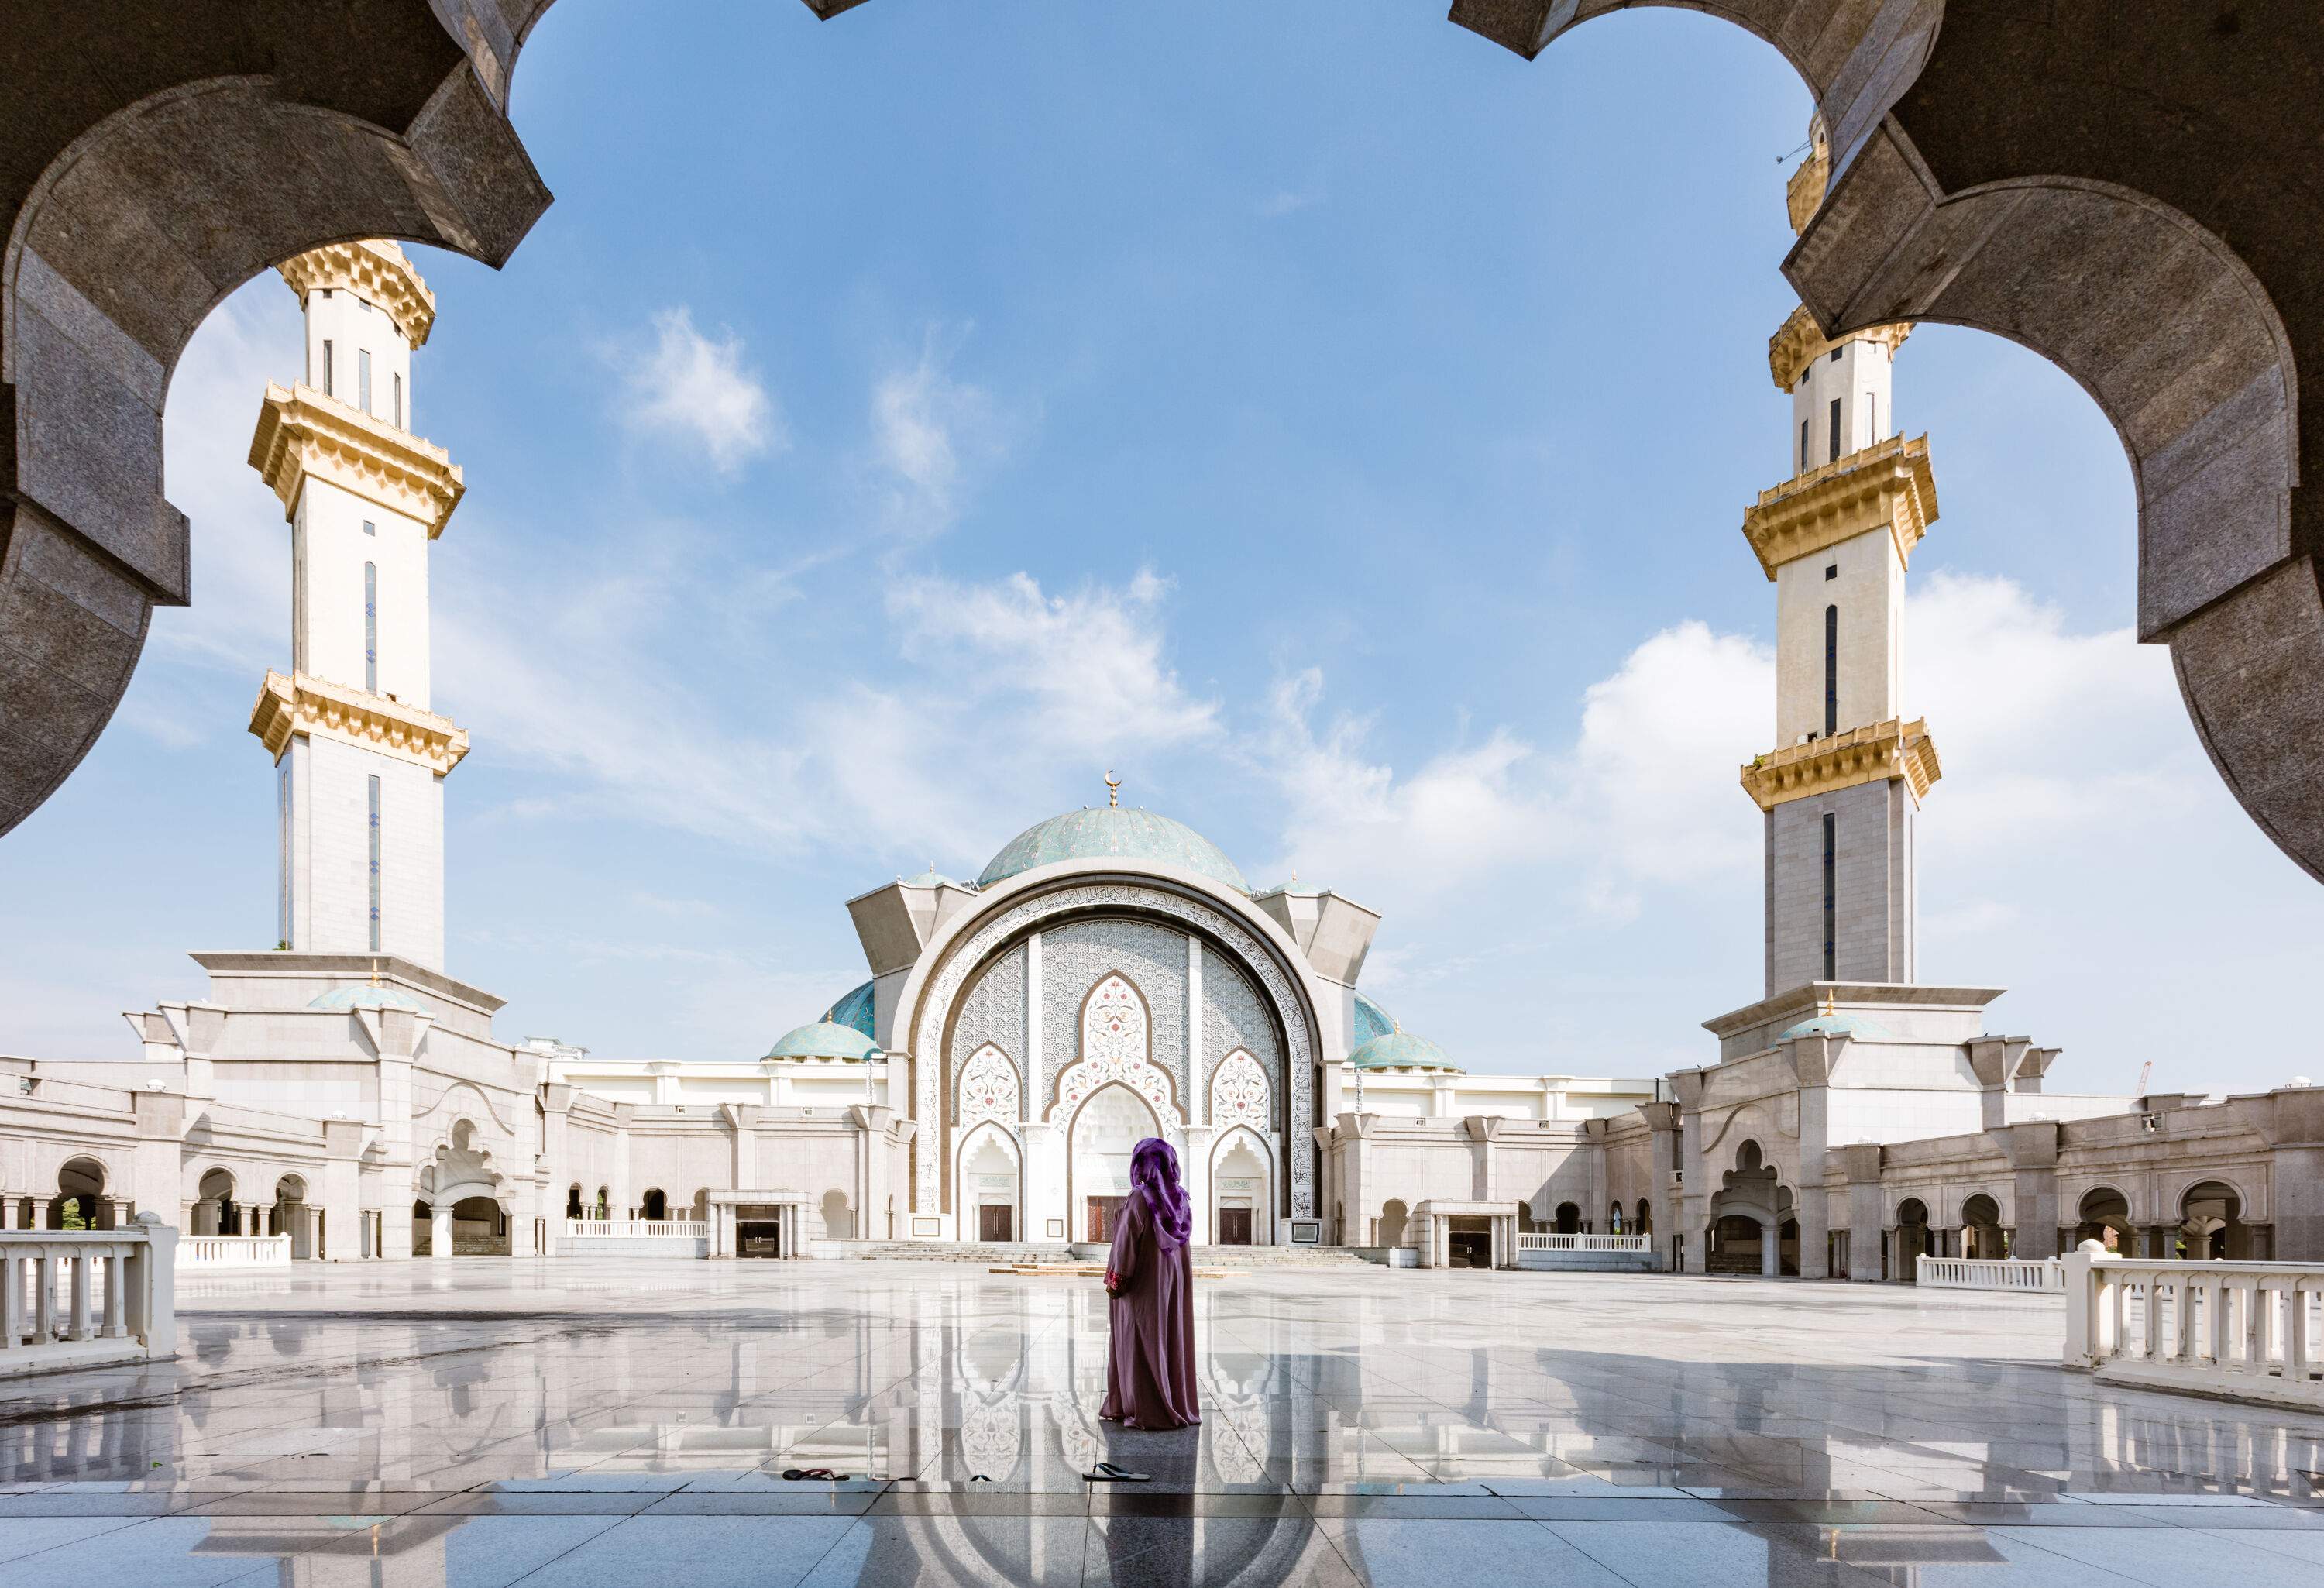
x=1149, y=1357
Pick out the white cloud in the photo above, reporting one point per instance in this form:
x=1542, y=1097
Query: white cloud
x=1645, y=793
x=1287, y=201
x=861, y=754
x=696, y=388
x=931, y=433
x=1088, y=667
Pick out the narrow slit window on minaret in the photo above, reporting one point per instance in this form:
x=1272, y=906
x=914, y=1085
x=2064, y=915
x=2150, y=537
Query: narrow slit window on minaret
x=399, y=402
x=375, y=871
x=326, y=367
x=1804, y=446
x=1835, y=430
x=1830, y=670
x=371, y=627
x=363, y=379
x=1831, y=890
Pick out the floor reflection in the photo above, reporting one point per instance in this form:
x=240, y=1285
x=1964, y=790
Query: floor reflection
x=1354, y=1431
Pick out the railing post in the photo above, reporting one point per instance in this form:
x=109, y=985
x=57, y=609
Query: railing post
x=2081, y=1342
x=44, y=1300
x=82, y=1328
x=158, y=1286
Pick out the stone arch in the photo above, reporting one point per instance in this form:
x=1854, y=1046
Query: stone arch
x=157, y=204
x=1244, y=1138
x=1968, y=189
x=80, y=1202
x=2100, y=1207
x=972, y=1144
x=839, y=1216
x=653, y=1203
x=1076, y=1175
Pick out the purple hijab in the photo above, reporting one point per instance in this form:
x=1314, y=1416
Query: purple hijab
x=1154, y=1177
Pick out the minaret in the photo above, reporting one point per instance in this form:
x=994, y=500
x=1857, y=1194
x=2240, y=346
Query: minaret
x=1842, y=785
x=360, y=759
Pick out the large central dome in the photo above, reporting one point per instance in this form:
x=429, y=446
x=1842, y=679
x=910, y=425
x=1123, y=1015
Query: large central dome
x=1112, y=833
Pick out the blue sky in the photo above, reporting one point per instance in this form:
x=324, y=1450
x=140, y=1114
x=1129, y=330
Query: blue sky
x=1334, y=424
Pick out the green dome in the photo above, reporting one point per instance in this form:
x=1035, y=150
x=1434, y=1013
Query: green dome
x=824, y=1040
x=1112, y=833
x=366, y=998
x=1371, y=1020
x=1402, y=1051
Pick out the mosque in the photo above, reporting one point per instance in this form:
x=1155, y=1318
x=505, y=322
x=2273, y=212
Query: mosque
x=1109, y=974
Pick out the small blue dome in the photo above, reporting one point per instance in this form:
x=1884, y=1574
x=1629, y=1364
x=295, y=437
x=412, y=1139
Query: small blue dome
x=854, y=1010
x=1112, y=833
x=1835, y=1025
x=933, y=878
x=1371, y=1020
x=824, y=1040
x=366, y=998
x=1402, y=1051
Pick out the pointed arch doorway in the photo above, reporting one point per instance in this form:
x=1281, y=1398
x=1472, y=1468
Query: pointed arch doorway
x=1109, y=1122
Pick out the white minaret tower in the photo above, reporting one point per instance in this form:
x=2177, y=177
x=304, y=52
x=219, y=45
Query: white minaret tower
x=360, y=759
x=1848, y=773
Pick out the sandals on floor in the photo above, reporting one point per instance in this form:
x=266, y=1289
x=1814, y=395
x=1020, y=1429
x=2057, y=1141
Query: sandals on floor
x=1105, y=1471
x=813, y=1475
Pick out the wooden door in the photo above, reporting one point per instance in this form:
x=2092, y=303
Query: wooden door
x=995, y=1224
x=1103, y=1211
x=1234, y=1226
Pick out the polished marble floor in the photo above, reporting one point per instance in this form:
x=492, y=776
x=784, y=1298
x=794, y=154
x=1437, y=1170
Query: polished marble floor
x=487, y=1421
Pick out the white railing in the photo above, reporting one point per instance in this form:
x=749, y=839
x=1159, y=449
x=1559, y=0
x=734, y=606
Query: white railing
x=1992, y=1273
x=635, y=1229
x=1544, y=1243
x=234, y=1251
x=87, y=1297
x=2246, y=1329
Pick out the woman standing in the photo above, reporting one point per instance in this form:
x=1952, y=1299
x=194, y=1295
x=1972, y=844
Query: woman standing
x=1149, y=1359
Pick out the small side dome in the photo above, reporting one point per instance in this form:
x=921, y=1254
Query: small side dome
x=1371, y=1020
x=933, y=878
x=343, y=998
x=854, y=1010
x=1403, y=1051
x=1837, y=1025
x=823, y=1038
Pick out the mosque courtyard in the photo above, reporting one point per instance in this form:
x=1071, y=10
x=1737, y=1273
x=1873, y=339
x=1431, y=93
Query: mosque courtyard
x=488, y=1421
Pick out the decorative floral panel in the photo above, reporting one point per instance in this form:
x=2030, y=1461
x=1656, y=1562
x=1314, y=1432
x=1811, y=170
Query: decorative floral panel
x=988, y=1090
x=1239, y=1095
x=1114, y=1047
x=1234, y=1015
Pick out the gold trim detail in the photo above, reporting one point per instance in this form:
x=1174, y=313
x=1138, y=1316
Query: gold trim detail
x=376, y=271
x=302, y=433
x=1803, y=194
x=303, y=703
x=1893, y=749
x=1798, y=343
x=1887, y=484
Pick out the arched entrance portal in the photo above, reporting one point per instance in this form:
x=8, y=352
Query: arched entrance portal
x=1242, y=1192
x=1110, y=1123
x=989, y=1193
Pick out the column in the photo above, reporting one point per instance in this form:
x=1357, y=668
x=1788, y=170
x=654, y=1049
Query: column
x=1771, y=1248
x=1198, y=1187
x=440, y=1228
